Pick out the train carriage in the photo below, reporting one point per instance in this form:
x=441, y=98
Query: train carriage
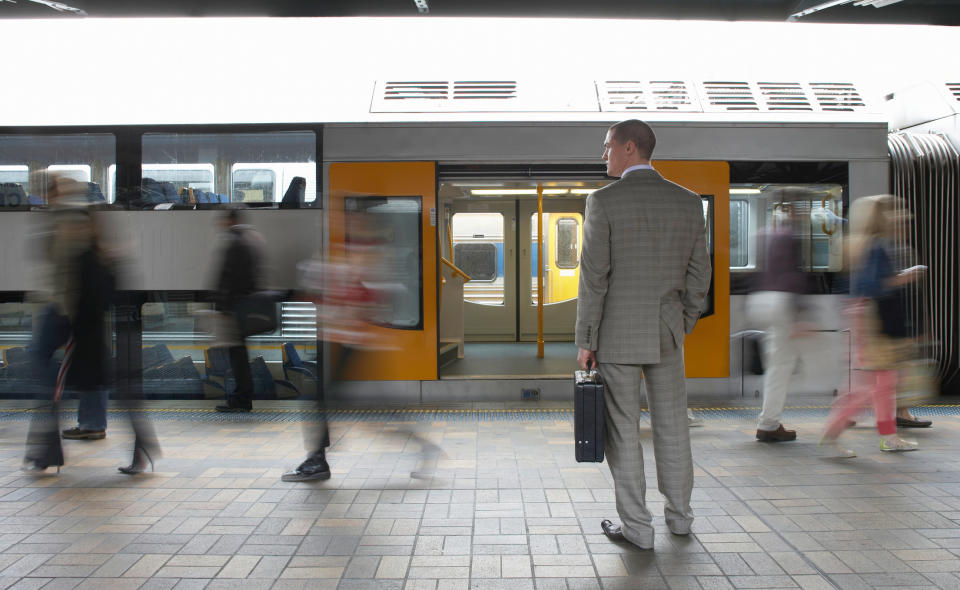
x=452, y=164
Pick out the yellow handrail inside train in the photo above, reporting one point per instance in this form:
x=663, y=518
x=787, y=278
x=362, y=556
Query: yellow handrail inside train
x=455, y=270
x=539, y=270
x=823, y=224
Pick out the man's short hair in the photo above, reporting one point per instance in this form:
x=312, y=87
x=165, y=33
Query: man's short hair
x=233, y=215
x=639, y=133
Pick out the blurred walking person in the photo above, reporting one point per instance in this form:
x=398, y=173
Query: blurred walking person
x=76, y=293
x=240, y=275
x=775, y=304
x=348, y=303
x=878, y=321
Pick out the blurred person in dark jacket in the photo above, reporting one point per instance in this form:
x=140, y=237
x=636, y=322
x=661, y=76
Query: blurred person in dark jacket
x=240, y=276
x=64, y=241
x=774, y=304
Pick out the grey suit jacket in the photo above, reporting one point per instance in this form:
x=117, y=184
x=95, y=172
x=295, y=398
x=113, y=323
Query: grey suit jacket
x=644, y=263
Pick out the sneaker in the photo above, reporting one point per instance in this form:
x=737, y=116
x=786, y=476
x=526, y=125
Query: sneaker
x=898, y=445
x=313, y=468
x=78, y=433
x=778, y=435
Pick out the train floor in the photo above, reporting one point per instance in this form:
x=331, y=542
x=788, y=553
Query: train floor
x=473, y=498
x=514, y=360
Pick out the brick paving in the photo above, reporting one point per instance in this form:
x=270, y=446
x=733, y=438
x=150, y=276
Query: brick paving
x=444, y=504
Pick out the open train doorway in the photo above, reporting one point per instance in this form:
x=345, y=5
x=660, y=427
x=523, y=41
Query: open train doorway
x=490, y=261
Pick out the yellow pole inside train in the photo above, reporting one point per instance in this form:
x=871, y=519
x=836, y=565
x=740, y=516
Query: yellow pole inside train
x=539, y=270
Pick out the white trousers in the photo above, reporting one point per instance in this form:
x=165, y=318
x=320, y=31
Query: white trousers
x=774, y=310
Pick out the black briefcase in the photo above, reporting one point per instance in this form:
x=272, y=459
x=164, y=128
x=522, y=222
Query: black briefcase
x=588, y=416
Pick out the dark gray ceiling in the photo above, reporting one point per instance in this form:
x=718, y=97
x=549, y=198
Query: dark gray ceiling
x=934, y=12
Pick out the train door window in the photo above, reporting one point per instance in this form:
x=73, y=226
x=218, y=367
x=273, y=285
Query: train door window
x=560, y=256
x=25, y=161
x=478, y=251
x=253, y=184
x=568, y=243
x=384, y=235
x=238, y=167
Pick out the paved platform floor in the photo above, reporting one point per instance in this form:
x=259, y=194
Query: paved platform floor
x=481, y=500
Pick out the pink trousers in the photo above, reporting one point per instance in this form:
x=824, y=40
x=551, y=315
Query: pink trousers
x=878, y=385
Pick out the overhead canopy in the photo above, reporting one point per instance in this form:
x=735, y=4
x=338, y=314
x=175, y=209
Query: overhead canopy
x=933, y=12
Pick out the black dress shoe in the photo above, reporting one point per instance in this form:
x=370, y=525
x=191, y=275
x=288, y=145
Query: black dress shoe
x=230, y=409
x=778, y=435
x=914, y=423
x=614, y=532
x=315, y=467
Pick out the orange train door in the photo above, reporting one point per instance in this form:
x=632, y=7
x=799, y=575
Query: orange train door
x=707, y=349
x=406, y=343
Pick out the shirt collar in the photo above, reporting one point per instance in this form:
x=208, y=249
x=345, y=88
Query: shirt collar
x=636, y=167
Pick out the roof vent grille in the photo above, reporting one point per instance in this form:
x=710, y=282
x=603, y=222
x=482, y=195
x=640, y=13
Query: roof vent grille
x=954, y=89
x=416, y=90
x=837, y=96
x=484, y=90
x=655, y=95
x=784, y=96
x=730, y=96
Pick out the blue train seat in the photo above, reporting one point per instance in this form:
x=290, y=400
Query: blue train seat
x=216, y=365
x=293, y=364
x=156, y=355
x=12, y=195
x=94, y=194
x=265, y=386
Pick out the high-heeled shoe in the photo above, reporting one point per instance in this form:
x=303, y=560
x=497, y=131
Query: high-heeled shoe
x=32, y=466
x=140, y=458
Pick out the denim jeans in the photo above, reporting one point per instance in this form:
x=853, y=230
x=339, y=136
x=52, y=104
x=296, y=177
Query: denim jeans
x=92, y=411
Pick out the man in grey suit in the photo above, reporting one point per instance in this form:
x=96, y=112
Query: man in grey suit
x=644, y=276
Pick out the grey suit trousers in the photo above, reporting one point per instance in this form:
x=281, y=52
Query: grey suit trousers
x=667, y=398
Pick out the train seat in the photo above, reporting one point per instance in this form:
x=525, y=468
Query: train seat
x=94, y=194
x=156, y=355
x=12, y=195
x=292, y=363
x=179, y=379
x=216, y=365
x=293, y=198
x=265, y=386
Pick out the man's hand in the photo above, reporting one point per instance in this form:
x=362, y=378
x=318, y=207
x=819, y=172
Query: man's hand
x=587, y=359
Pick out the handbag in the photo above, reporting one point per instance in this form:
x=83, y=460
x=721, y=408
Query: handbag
x=892, y=309
x=917, y=383
x=257, y=313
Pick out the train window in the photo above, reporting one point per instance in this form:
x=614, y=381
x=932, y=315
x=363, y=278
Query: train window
x=568, y=243
x=78, y=172
x=478, y=251
x=184, y=358
x=24, y=160
x=561, y=256
x=253, y=184
x=812, y=211
x=16, y=326
x=477, y=259
x=385, y=234
x=235, y=167
x=740, y=235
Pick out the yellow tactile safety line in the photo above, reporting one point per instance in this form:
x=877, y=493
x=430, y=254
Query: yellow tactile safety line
x=431, y=410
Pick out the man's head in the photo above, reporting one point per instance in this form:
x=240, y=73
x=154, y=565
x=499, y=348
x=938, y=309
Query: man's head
x=628, y=143
x=231, y=217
